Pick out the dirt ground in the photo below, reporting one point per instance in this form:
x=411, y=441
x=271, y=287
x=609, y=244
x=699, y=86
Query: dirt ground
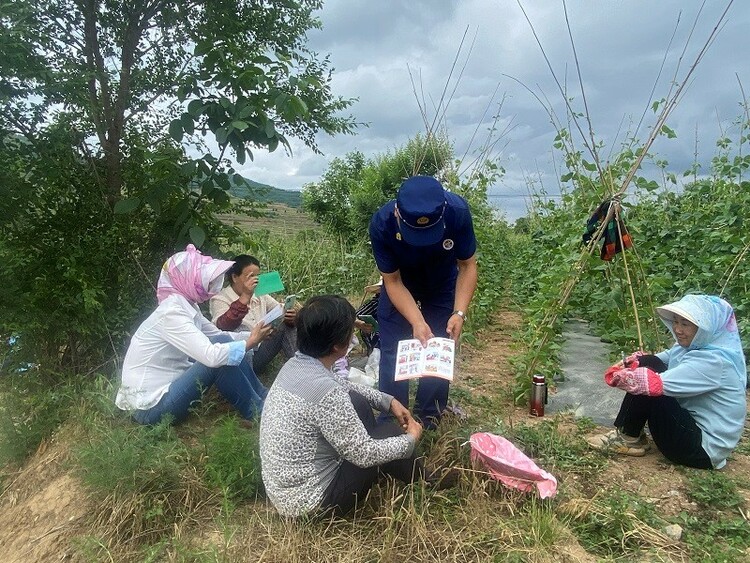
x=43, y=508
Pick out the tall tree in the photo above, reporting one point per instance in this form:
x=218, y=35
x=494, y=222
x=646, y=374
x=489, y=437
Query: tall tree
x=107, y=108
x=238, y=68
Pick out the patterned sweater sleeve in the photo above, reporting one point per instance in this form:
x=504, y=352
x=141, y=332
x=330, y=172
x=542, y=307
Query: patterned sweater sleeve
x=342, y=428
x=377, y=399
x=233, y=316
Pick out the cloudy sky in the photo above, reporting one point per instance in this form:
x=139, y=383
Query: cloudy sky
x=621, y=46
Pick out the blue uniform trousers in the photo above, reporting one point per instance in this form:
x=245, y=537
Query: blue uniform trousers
x=432, y=392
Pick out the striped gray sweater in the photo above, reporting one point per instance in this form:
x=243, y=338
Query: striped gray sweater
x=309, y=426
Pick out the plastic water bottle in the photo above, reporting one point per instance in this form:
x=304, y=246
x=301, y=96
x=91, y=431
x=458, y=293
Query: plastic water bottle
x=538, y=395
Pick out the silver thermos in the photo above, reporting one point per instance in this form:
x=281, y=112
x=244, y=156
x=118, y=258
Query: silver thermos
x=538, y=395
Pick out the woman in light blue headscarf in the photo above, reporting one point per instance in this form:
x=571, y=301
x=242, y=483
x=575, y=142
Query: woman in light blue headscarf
x=692, y=396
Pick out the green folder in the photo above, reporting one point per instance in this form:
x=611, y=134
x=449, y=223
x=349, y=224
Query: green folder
x=270, y=282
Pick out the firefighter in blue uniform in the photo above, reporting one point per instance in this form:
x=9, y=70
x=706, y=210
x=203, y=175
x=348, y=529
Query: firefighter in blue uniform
x=424, y=246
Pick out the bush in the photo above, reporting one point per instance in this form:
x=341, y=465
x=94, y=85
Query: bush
x=233, y=460
x=144, y=479
x=130, y=458
x=32, y=407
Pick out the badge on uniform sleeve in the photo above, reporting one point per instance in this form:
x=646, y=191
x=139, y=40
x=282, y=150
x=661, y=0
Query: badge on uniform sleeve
x=398, y=236
x=447, y=244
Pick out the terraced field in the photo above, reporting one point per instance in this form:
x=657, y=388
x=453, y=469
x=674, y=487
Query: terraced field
x=278, y=219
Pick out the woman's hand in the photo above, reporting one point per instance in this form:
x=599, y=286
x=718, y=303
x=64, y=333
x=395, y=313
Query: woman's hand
x=636, y=381
x=290, y=317
x=259, y=334
x=401, y=413
x=363, y=326
x=247, y=287
x=415, y=429
x=632, y=360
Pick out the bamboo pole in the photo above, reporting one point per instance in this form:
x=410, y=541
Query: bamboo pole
x=618, y=222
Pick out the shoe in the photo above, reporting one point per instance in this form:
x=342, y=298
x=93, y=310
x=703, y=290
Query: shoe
x=455, y=410
x=617, y=442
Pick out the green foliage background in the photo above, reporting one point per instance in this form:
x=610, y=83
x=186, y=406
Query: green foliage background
x=689, y=240
x=104, y=166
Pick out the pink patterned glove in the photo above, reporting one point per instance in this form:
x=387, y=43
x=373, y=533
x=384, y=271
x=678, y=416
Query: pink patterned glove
x=632, y=360
x=636, y=381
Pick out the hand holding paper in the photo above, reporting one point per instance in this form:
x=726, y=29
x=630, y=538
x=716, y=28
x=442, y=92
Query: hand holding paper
x=259, y=333
x=434, y=360
x=270, y=282
x=274, y=316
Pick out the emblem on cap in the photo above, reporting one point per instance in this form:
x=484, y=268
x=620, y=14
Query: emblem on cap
x=447, y=244
x=423, y=220
x=398, y=236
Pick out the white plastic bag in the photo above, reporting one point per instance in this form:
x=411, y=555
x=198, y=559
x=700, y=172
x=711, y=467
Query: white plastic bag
x=358, y=376
x=372, y=368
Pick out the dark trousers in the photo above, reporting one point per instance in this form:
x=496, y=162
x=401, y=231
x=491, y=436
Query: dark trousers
x=432, y=392
x=672, y=427
x=283, y=339
x=351, y=482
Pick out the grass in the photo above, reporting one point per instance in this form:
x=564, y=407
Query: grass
x=719, y=531
x=713, y=490
x=32, y=407
x=232, y=460
x=617, y=523
x=192, y=493
x=556, y=443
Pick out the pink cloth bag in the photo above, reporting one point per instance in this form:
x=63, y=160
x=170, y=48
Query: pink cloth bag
x=509, y=465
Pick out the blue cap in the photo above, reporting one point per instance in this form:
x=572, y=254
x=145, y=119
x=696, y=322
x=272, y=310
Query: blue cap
x=421, y=208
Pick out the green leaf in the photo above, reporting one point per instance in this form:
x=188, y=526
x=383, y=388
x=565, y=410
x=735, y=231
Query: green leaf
x=188, y=125
x=127, y=205
x=197, y=235
x=195, y=108
x=270, y=129
x=280, y=101
x=590, y=166
x=220, y=197
x=222, y=134
x=189, y=168
x=298, y=107
x=175, y=130
x=239, y=125
x=223, y=181
x=239, y=152
x=246, y=112
x=203, y=47
x=668, y=132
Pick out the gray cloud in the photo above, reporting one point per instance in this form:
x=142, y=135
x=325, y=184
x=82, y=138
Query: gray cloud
x=620, y=47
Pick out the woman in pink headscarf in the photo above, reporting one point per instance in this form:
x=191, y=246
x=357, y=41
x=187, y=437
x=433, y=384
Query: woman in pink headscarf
x=176, y=353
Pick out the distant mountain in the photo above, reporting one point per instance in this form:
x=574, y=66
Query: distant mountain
x=265, y=193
